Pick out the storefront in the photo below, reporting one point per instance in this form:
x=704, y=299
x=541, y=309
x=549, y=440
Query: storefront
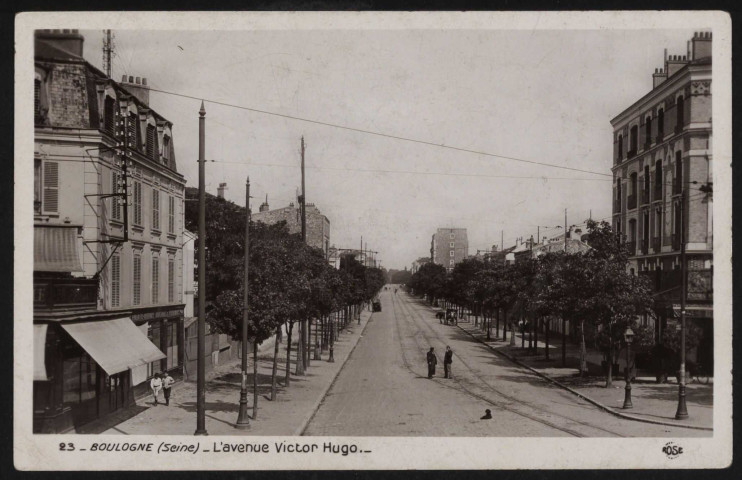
x=83, y=370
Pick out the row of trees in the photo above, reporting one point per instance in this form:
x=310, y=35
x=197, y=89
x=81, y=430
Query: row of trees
x=289, y=283
x=593, y=288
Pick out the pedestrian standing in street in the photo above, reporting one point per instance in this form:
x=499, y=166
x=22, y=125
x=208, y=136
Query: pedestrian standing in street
x=447, y=361
x=167, y=384
x=432, y=362
x=156, y=385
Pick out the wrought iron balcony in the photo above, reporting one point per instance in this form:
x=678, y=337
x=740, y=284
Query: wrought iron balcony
x=67, y=293
x=644, y=246
x=675, y=241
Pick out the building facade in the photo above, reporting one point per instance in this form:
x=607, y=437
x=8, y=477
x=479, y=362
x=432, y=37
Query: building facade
x=449, y=246
x=318, y=226
x=108, y=236
x=662, y=187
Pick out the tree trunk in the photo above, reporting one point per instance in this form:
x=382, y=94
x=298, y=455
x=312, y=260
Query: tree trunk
x=609, y=376
x=300, y=350
x=274, y=373
x=564, y=342
x=309, y=342
x=504, y=325
x=535, y=335
x=255, y=380
x=583, y=349
x=287, y=381
x=497, y=324
x=547, y=322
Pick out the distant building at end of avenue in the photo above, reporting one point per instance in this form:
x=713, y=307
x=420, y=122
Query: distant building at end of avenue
x=318, y=225
x=449, y=246
x=662, y=189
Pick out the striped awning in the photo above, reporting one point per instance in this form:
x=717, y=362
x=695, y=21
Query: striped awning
x=55, y=249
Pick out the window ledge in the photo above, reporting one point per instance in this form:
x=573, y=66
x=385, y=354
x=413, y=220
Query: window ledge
x=137, y=228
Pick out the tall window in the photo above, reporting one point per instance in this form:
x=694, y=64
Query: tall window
x=116, y=178
x=155, y=209
x=137, y=203
x=155, y=279
x=645, y=194
x=50, y=200
x=165, y=149
x=137, y=280
x=171, y=280
x=133, y=131
x=678, y=172
x=658, y=224
x=661, y=123
x=171, y=343
x=658, y=180
x=633, y=140
x=115, y=280
x=681, y=113
x=171, y=215
x=620, y=148
x=151, y=142
x=648, y=130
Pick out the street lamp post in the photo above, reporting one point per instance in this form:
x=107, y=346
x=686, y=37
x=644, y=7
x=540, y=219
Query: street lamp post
x=682, y=411
x=629, y=337
x=242, y=418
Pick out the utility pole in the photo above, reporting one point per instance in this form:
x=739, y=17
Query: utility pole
x=565, y=230
x=301, y=360
x=242, y=418
x=201, y=350
x=107, y=52
x=682, y=412
x=502, y=240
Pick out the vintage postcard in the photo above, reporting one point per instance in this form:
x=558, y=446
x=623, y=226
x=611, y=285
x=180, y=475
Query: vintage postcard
x=249, y=241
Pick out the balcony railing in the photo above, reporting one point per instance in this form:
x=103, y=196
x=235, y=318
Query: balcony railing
x=631, y=202
x=645, y=196
x=631, y=248
x=656, y=244
x=68, y=293
x=657, y=195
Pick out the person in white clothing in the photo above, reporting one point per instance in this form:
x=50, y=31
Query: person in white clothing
x=167, y=383
x=156, y=385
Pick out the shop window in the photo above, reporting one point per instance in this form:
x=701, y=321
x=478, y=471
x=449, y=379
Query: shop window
x=171, y=344
x=154, y=336
x=79, y=375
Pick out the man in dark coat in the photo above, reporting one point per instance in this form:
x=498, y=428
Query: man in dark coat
x=432, y=362
x=447, y=361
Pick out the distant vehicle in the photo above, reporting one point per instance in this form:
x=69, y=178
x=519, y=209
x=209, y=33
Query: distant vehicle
x=376, y=306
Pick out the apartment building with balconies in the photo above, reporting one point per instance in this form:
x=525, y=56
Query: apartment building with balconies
x=662, y=186
x=108, y=236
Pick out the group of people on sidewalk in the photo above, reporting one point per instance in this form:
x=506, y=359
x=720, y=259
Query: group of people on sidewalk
x=164, y=382
x=433, y=361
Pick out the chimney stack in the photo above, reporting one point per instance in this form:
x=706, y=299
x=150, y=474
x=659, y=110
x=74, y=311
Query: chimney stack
x=137, y=86
x=68, y=40
x=700, y=45
x=220, y=190
x=658, y=77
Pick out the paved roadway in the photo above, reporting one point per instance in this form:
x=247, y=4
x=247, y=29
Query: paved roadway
x=383, y=389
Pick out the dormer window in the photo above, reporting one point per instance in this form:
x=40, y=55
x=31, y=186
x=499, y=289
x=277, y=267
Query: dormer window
x=109, y=112
x=166, y=150
x=133, y=131
x=151, y=142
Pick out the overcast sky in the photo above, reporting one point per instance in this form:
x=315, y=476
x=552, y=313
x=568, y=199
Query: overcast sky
x=544, y=96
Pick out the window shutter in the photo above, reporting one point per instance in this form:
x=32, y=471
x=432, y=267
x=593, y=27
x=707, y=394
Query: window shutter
x=137, y=290
x=115, y=281
x=37, y=97
x=171, y=215
x=133, y=132
x=155, y=209
x=151, y=141
x=108, y=115
x=51, y=188
x=115, y=202
x=155, y=279
x=170, y=280
x=137, y=203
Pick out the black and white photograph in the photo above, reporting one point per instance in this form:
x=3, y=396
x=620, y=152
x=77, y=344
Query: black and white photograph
x=372, y=240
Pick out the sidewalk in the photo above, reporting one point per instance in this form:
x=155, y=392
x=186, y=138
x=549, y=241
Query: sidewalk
x=651, y=401
x=287, y=415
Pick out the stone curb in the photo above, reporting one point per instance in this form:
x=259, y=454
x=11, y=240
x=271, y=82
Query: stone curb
x=300, y=431
x=582, y=395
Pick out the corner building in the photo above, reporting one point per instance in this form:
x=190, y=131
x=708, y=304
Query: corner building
x=662, y=188
x=108, y=236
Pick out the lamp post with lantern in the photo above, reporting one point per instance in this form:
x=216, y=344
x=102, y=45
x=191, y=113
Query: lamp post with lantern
x=628, y=337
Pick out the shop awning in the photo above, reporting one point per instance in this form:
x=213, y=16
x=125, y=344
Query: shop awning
x=116, y=345
x=39, y=352
x=55, y=249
